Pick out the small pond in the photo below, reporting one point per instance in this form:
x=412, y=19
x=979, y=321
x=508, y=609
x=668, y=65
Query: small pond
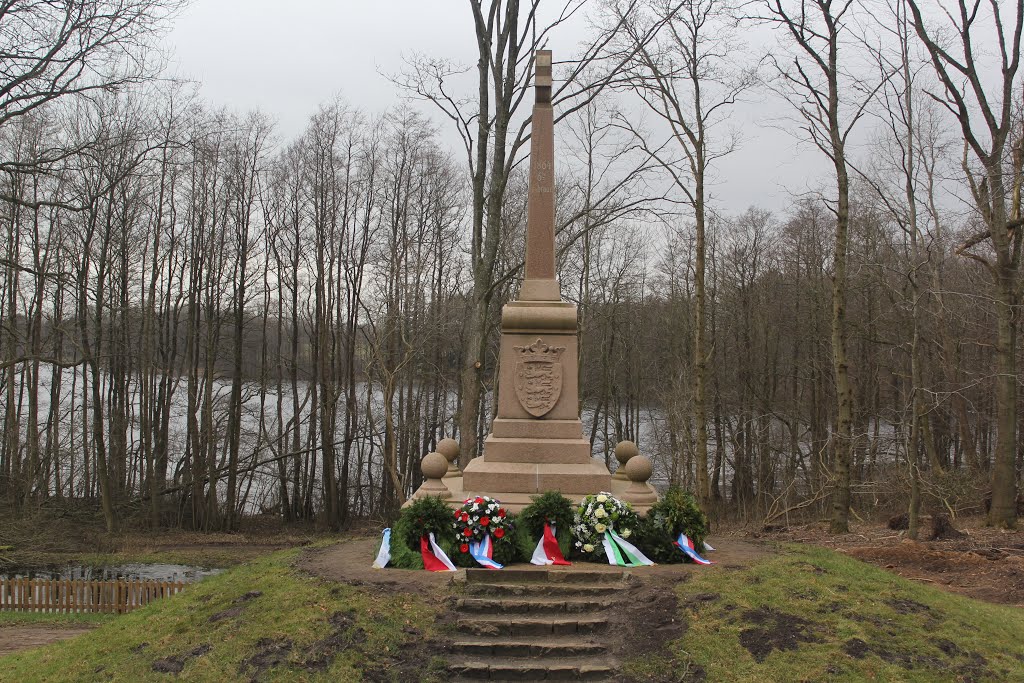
x=130, y=571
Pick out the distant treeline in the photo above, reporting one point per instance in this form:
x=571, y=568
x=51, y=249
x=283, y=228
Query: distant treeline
x=200, y=318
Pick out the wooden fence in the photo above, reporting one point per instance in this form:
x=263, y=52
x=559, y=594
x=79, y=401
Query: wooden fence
x=63, y=595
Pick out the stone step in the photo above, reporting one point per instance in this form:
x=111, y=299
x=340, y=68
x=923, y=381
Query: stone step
x=512, y=625
x=544, y=646
x=560, y=669
x=537, y=589
x=532, y=605
x=557, y=576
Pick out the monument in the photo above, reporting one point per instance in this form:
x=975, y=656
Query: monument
x=537, y=443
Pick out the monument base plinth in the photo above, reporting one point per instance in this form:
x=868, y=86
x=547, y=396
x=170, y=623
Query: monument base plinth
x=515, y=501
x=486, y=475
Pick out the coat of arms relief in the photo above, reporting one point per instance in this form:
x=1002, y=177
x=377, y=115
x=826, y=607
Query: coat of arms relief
x=538, y=376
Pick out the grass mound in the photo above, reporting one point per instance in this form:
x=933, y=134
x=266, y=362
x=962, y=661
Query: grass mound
x=808, y=613
x=259, y=621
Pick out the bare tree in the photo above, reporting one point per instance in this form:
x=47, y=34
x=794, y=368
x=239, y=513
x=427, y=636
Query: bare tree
x=815, y=80
x=969, y=95
x=688, y=73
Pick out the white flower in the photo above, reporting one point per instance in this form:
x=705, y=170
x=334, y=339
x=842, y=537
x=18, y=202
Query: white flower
x=600, y=528
x=599, y=513
x=626, y=533
x=602, y=498
x=588, y=548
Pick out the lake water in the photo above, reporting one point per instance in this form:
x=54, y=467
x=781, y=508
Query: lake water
x=130, y=571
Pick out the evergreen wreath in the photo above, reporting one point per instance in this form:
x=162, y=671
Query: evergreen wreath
x=550, y=507
x=429, y=514
x=477, y=517
x=595, y=515
x=677, y=512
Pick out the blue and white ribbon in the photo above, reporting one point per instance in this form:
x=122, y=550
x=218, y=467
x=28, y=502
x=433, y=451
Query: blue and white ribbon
x=482, y=552
x=384, y=554
x=686, y=545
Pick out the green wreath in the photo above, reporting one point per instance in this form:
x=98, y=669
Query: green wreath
x=677, y=512
x=550, y=506
x=429, y=514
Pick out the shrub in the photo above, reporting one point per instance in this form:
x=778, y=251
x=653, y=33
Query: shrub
x=550, y=506
x=422, y=516
x=677, y=512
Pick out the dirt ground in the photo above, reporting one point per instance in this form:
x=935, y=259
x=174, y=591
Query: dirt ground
x=983, y=563
x=14, y=638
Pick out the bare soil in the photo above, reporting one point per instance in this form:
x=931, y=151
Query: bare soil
x=981, y=562
x=24, y=637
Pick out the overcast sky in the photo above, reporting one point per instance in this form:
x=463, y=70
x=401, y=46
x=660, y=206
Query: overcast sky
x=286, y=58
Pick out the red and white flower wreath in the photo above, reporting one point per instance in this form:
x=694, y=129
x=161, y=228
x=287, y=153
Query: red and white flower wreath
x=478, y=517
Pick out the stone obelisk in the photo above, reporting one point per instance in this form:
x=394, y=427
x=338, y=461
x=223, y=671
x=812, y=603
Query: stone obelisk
x=537, y=443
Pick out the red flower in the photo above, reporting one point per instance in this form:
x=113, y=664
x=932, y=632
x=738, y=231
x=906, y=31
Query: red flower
x=465, y=516
x=464, y=548
x=498, y=533
x=457, y=513
x=501, y=512
x=479, y=501
x=484, y=521
x=467, y=532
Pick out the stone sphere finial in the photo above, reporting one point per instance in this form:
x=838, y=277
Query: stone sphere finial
x=434, y=466
x=624, y=451
x=638, y=470
x=449, y=448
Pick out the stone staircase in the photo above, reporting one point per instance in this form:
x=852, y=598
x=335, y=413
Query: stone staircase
x=535, y=625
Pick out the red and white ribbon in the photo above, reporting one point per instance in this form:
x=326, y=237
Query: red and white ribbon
x=434, y=558
x=547, y=550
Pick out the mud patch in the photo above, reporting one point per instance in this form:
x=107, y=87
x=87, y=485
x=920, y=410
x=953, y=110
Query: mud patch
x=319, y=655
x=856, y=648
x=175, y=663
x=229, y=613
x=701, y=599
x=654, y=604
x=270, y=653
x=903, y=606
x=774, y=631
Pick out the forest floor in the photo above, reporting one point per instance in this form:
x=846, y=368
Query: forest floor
x=980, y=561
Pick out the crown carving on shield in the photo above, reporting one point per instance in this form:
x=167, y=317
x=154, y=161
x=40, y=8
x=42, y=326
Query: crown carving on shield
x=540, y=351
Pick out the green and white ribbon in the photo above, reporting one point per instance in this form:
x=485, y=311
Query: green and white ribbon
x=621, y=552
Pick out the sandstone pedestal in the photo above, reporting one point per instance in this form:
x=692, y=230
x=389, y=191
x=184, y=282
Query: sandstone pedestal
x=537, y=443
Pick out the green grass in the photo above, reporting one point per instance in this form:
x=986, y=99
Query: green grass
x=301, y=628
x=845, y=620
x=48, y=619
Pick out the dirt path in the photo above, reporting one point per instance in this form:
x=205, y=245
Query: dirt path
x=349, y=562
x=15, y=638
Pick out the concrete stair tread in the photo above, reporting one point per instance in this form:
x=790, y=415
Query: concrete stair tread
x=516, y=625
x=550, y=668
x=535, y=603
x=527, y=646
x=567, y=575
x=538, y=589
